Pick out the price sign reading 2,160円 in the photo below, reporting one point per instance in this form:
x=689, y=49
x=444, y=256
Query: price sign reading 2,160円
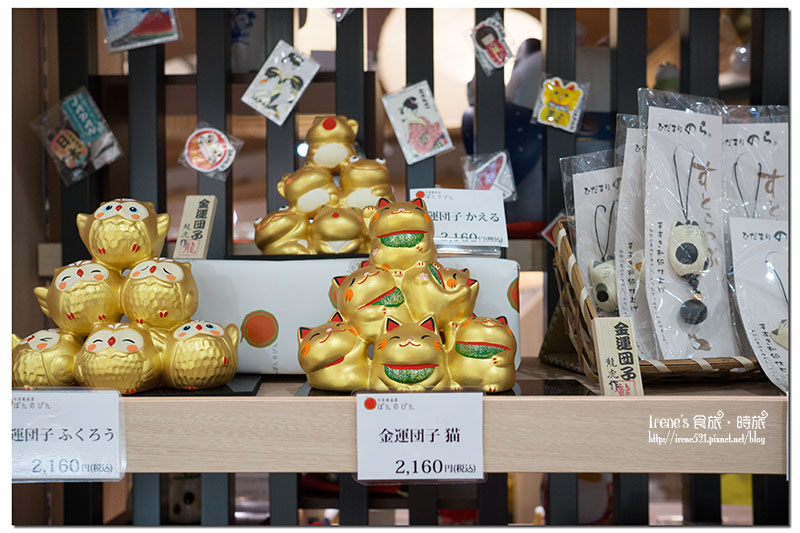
x=64, y=435
x=419, y=436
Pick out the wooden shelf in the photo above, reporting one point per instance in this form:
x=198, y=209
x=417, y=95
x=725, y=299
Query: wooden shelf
x=275, y=431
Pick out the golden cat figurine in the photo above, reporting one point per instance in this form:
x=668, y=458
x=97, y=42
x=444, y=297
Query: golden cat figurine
x=308, y=189
x=366, y=297
x=338, y=230
x=283, y=232
x=409, y=357
x=331, y=141
x=333, y=356
x=481, y=355
x=364, y=182
x=400, y=233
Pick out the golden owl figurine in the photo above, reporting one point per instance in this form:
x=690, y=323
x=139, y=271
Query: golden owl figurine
x=367, y=297
x=119, y=356
x=364, y=182
x=122, y=232
x=308, y=189
x=338, y=230
x=482, y=355
x=159, y=292
x=284, y=232
x=200, y=355
x=82, y=294
x=400, y=233
x=43, y=359
x=331, y=141
x=333, y=356
x=409, y=357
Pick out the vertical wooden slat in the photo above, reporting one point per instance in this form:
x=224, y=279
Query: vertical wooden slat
x=769, y=57
x=350, y=69
x=562, y=509
x=147, y=492
x=146, y=130
x=280, y=139
x=423, y=507
x=631, y=499
x=699, y=73
x=213, y=105
x=419, y=67
x=77, y=64
x=283, y=501
x=702, y=499
x=214, y=499
x=770, y=500
x=490, y=111
x=559, y=56
x=493, y=500
x=83, y=504
x=353, y=502
x=628, y=31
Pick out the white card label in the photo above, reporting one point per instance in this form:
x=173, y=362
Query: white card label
x=419, y=436
x=66, y=435
x=465, y=217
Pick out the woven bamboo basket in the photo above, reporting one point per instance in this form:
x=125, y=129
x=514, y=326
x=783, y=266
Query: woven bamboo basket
x=579, y=311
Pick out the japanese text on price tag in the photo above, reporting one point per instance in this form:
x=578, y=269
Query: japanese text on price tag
x=67, y=435
x=420, y=436
x=466, y=217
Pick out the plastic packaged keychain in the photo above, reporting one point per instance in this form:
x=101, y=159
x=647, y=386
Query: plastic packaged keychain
x=591, y=188
x=77, y=137
x=560, y=103
x=760, y=284
x=490, y=171
x=210, y=151
x=629, y=239
x=338, y=13
x=684, y=267
x=281, y=81
x=491, y=49
x=129, y=28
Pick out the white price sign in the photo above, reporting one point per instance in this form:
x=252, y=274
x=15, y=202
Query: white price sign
x=419, y=436
x=67, y=435
x=465, y=217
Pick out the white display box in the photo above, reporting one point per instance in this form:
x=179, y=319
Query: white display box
x=268, y=300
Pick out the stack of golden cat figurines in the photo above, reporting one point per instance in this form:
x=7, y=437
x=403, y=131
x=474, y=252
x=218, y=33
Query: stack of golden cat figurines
x=86, y=300
x=417, y=315
x=323, y=218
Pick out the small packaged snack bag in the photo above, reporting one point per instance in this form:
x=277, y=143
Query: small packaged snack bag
x=560, y=103
x=491, y=49
x=281, y=81
x=210, y=151
x=490, y=171
x=77, y=137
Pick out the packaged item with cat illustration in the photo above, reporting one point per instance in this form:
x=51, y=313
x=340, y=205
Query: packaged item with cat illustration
x=685, y=262
x=629, y=247
x=416, y=122
x=760, y=249
x=210, y=151
x=77, y=137
x=591, y=188
x=280, y=83
x=490, y=171
x=560, y=103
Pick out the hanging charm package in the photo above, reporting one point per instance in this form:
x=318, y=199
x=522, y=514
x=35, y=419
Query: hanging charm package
x=755, y=156
x=77, y=137
x=129, y=28
x=684, y=270
x=560, y=103
x=493, y=171
x=416, y=122
x=591, y=188
x=210, y=151
x=280, y=82
x=491, y=49
x=761, y=285
x=338, y=13
x=629, y=239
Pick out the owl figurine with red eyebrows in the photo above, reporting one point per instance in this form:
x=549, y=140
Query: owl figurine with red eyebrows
x=43, y=359
x=119, y=356
x=159, y=292
x=200, y=355
x=122, y=232
x=82, y=295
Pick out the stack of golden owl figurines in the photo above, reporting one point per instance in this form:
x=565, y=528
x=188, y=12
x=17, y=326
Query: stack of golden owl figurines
x=417, y=315
x=160, y=346
x=323, y=218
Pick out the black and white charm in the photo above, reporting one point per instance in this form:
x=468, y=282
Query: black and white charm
x=780, y=335
x=688, y=252
x=603, y=273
